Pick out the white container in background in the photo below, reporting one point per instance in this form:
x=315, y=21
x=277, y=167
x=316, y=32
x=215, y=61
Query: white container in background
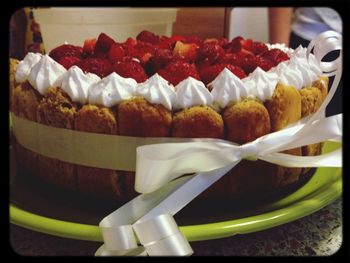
x=249, y=22
x=74, y=25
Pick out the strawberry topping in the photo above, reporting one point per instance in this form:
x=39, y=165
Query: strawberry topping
x=178, y=70
x=208, y=74
x=103, y=44
x=67, y=62
x=130, y=69
x=89, y=47
x=99, y=66
x=65, y=50
x=116, y=52
x=148, y=37
x=275, y=56
x=212, y=51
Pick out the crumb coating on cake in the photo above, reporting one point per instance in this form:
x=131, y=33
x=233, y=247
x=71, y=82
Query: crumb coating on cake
x=311, y=100
x=56, y=109
x=246, y=120
x=284, y=107
x=198, y=122
x=97, y=119
x=12, y=68
x=138, y=117
x=25, y=101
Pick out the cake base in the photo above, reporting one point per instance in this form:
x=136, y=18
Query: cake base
x=38, y=196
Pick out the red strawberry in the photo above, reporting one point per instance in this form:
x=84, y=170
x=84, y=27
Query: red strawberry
x=247, y=44
x=243, y=58
x=258, y=48
x=143, y=51
x=203, y=63
x=103, y=44
x=66, y=50
x=130, y=69
x=275, y=56
x=264, y=64
x=212, y=51
x=165, y=43
x=149, y=37
x=223, y=42
x=230, y=58
x=186, y=51
x=177, y=71
x=116, y=52
x=67, y=62
x=130, y=42
x=235, y=45
x=249, y=63
x=208, y=74
x=89, y=46
x=99, y=66
x=236, y=70
x=160, y=59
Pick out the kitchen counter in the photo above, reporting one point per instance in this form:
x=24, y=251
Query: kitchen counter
x=317, y=234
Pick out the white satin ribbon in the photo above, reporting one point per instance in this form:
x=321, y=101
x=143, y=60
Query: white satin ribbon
x=148, y=219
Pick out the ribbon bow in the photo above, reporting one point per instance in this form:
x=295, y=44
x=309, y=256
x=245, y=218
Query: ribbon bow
x=148, y=218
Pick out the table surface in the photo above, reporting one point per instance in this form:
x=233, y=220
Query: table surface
x=317, y=234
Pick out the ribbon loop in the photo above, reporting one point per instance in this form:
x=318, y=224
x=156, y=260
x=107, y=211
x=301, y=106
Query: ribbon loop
x=323, y=44
x=161, y=236
x=119, y=238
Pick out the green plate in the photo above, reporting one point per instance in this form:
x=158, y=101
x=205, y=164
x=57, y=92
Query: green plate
x=323, y=187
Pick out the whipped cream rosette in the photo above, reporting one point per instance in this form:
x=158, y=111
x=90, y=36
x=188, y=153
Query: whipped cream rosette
x=77, y=84
x=112, y=90
x=24, y=67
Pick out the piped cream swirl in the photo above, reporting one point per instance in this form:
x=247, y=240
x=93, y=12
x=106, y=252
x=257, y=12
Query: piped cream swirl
x=77, y=84
x=191, y=92
x=261, y=84
x=111, y=90
x=227, y=88
x=24, y=67
x=157, y=90
x=45, y=74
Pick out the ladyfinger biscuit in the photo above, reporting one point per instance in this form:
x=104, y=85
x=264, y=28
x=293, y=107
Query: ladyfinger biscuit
x=25, y=101
x=57, y=110
x=198, y=122
x=96, y=181
x=285, y=108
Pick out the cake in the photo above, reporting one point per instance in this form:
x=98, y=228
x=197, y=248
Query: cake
x=158, y=86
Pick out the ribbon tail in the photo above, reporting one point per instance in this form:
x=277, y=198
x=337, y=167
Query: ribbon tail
x=332, y=159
